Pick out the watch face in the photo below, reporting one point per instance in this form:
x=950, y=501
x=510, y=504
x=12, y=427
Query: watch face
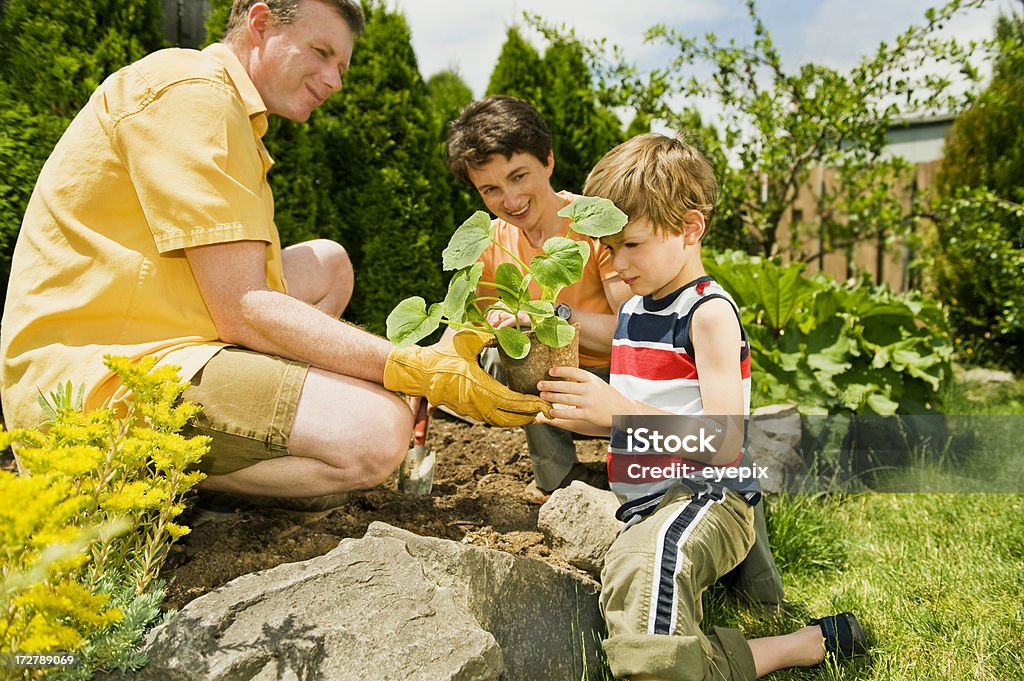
x=563, y=311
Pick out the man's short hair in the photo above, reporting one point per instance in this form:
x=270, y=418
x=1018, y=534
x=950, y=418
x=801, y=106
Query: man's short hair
x=287, y=11
x=495, y=125
x=656, y=178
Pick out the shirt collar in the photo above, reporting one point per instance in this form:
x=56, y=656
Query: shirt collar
x=254, y=105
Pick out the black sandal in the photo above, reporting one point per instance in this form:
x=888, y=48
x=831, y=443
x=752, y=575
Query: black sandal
x=844, y=637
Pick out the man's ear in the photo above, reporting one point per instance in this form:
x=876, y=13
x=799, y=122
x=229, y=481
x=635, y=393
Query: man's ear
x=259, y=20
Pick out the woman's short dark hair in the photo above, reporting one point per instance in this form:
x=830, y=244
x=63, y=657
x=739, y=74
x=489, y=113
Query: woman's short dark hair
x=495, y=125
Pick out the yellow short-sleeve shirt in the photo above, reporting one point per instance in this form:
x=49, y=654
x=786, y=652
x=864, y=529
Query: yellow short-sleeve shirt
x=167, y=154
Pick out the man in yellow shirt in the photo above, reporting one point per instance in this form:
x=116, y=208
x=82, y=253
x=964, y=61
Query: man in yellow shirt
x=150, y=233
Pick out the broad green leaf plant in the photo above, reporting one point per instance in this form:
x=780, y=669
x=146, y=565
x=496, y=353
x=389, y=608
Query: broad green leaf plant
x=836, y=348
x=560, y=265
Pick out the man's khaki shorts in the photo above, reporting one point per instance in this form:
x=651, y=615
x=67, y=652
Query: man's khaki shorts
x=249, y=401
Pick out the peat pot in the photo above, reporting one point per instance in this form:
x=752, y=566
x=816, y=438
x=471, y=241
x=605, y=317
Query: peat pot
x=522, y=375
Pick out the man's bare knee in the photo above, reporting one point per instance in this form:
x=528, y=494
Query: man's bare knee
x=320, y=273
x=370, y=468
x=359, y=430
x=340, y=276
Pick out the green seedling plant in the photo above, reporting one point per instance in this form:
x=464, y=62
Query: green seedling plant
x=560, y=265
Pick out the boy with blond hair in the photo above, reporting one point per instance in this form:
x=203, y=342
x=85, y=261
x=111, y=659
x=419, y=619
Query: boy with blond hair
x=680, y=358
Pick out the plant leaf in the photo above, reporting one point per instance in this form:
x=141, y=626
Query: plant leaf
x=410, y=321
x=468, y=242
x=461, y=290
x=473, y=314
x=538, y=308
x=508, y=277
x=594, y=216
x=561, y=264
x=881, y=404
x=515, y=343
x=554, y=331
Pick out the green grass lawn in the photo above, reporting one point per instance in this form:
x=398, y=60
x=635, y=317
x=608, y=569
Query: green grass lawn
x=936, y=579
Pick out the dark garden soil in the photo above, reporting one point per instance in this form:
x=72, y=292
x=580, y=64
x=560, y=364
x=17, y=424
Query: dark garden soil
x=479, y=497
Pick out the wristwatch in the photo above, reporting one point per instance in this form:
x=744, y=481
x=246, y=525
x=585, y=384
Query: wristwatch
x=563, y=311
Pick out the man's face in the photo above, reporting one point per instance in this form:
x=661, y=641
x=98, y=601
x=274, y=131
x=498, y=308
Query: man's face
x=296, y=66
x=516, y=189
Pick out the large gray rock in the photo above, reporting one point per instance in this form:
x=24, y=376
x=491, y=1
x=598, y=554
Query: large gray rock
x=579, y=523
x=773, y=442
x=362, y=611
x=392, y=605
x=546, y=620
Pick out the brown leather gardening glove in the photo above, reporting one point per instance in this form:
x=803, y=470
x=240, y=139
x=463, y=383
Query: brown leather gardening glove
x=447, y=373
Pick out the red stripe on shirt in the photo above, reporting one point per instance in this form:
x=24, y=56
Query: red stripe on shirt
x=652, y=363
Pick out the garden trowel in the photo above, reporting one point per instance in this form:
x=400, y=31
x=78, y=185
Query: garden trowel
x=416, y=474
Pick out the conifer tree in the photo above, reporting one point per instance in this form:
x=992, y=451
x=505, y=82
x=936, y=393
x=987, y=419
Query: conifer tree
x=583, y=130
x=518, y=71
x=387, y=178
x=559, y=86
x=448, y=95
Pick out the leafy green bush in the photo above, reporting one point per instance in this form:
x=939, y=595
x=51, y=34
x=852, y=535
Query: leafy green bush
x=835, y=348
x=55, y=54
x=980, y=218
x=26, y=139
x=985, y=146
x=978, y=276
x=83, y=537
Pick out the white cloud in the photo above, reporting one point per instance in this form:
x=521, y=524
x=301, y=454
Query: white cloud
x=467, y=35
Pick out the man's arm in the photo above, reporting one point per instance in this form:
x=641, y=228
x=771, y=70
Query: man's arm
x=248, y=313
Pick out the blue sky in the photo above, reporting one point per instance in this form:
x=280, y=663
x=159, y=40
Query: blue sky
x=468, y=34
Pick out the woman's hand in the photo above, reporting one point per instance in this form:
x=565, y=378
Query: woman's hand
x=499, y=319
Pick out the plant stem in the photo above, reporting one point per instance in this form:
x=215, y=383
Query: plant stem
x=522, y=265
x=459, y=325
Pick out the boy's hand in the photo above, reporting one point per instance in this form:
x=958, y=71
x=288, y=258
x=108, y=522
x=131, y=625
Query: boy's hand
x=583, y=400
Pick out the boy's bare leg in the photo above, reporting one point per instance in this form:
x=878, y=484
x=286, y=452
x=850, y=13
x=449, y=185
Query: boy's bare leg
x=802, y=648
